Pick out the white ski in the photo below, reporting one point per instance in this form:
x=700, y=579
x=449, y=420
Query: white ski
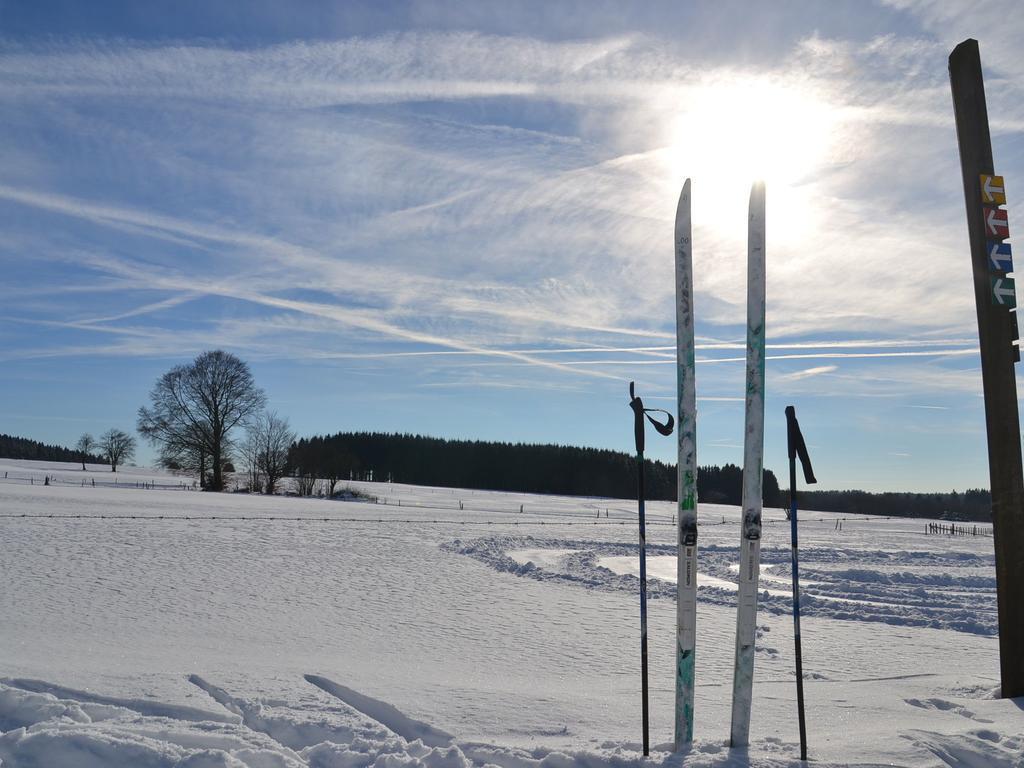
x=753, y=459
x=686, y=584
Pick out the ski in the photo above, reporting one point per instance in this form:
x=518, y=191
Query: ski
x=753, y=459
x=686, y=567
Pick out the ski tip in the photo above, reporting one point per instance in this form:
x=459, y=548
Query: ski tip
x=757, y=198
x=682, y=229
x=684, y=197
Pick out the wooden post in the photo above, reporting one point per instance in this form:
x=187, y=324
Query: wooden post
x=995, y=333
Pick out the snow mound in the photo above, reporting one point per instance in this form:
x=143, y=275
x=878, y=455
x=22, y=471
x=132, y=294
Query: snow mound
x=406, y=727
x=295, y=728
x=40, y=729
x=151, y=708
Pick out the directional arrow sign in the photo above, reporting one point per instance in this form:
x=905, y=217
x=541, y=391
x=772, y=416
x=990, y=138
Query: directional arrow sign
x=996, y=223
x=1004, y=292
x=992, y=190
x=1000, y=257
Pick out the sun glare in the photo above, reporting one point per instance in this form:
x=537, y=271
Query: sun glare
x=751, y=129
x=730, y=133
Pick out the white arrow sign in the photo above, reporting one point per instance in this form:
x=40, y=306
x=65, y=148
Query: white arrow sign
x=995, y=221
x=1001, y=292
x=992, y=189
x=1000, y=256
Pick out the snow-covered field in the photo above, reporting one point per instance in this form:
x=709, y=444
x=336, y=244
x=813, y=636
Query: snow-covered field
x=446, y=628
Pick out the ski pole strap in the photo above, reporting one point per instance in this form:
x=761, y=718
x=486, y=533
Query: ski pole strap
x=638, y=419
x=797, y=447
x=666, y=428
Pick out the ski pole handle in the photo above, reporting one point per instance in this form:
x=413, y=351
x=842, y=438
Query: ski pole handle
x=638, y=419
x=797, y=447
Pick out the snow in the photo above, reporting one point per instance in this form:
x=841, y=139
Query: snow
x=384, y=713
x=428, y=636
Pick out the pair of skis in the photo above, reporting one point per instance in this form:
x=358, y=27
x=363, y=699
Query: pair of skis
x=753, y=449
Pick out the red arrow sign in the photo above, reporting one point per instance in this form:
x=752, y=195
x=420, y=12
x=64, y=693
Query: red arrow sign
x=996, y=223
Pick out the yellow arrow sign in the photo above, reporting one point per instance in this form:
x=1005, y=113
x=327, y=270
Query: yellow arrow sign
x=992, y=190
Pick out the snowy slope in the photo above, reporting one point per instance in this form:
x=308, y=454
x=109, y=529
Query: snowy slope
x=340, y=633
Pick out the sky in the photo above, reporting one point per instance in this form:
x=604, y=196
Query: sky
x=456, y=219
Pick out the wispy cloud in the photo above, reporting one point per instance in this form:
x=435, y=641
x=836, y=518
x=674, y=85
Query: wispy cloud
x=807, y=373
x=439, y=210
x=599, y=204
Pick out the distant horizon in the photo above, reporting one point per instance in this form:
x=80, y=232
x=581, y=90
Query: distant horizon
x=780, y=476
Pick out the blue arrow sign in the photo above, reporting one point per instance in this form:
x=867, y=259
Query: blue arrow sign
x=999, y=256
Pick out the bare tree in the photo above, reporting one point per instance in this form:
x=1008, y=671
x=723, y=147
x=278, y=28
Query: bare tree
x=86, y=444
x=249, y=451
x=270, y=437
x=117, y=446
x=186, y=452
x=305, y=483
x=195, y=407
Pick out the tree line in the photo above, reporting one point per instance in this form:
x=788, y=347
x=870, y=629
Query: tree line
x=197, y=410
x=12, y=447
x=113, y=447
x=974, y=504
x=573, y=471
x=521, y=467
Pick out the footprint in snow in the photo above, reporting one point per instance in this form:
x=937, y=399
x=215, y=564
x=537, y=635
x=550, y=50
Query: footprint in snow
x=944, y=705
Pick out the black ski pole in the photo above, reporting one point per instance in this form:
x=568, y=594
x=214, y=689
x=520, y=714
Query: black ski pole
x=795, y=442
x=638, y=435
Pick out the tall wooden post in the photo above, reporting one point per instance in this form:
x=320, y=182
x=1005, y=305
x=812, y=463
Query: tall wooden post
x=994, y=297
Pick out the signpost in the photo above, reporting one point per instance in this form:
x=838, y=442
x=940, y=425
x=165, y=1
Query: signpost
x=1003, y=292
x=1000, y=256
x=992, y=190
x=995, y=300
x=996, y=223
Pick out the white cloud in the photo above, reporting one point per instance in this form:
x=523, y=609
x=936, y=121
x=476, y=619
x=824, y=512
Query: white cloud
x=807, y=373
x=310, y=180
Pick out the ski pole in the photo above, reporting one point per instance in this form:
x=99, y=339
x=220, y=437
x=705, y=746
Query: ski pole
x=638, y=435
x=795, y=443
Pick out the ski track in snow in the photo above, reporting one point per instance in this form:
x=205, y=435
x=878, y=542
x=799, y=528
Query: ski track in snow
x=148, y=708
x=926, y=592
x=190, y=643
x=384, y=713
x=291, y=726
x=41, y=729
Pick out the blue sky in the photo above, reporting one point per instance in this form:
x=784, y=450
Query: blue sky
x=456, y=218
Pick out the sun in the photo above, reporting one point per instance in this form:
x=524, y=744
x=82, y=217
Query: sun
x=753, y=129
x=732, y=130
